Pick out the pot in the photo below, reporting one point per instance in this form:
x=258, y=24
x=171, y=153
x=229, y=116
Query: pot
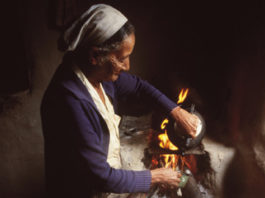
x=183, y=140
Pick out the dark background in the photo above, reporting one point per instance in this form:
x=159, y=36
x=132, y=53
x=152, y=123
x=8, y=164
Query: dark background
x=217, y=49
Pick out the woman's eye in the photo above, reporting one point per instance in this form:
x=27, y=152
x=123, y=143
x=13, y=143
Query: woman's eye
x=122, y=59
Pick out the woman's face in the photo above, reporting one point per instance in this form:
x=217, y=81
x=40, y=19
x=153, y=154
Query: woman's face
x=118, y=60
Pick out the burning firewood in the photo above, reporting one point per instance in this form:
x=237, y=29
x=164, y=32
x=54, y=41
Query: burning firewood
x=194, y=164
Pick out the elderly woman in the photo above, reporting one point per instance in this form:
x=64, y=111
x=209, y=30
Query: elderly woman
x=80, y=111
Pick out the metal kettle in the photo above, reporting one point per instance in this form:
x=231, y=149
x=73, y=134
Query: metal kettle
x=183, y=140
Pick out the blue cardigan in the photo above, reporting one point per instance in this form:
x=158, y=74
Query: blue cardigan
x=76, y=137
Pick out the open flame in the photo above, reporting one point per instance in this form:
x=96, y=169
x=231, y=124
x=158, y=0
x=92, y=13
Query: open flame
x=163, y=137
x=183, y=95
x=177, y=161
x=170, y=160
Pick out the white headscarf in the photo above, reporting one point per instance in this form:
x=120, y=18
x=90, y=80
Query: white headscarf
x=96, y=25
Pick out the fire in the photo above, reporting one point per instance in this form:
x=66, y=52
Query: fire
x=182, y=96
x=170, y=160
x=177, y=161
x=165, y=142
x=164, y=124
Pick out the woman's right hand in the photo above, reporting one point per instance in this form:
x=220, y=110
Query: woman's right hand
x=188, y=121
x=165, y=176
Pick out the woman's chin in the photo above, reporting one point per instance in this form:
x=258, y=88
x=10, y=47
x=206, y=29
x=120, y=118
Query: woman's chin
x=113, y=77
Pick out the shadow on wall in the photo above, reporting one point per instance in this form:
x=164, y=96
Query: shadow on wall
x=245, y=176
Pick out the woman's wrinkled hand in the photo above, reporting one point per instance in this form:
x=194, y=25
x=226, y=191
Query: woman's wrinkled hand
x=187, y=121
x=165, y=176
